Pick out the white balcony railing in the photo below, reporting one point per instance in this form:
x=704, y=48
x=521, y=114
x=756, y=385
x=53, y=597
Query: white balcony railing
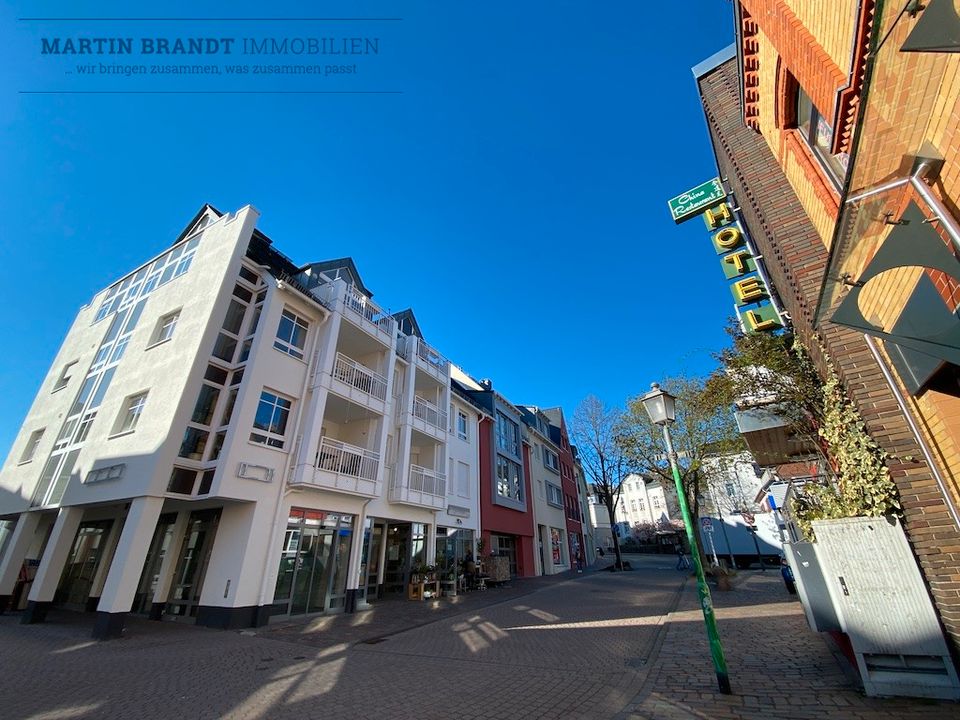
x=429, y=413
x=358, y=376
x=431, y=357
x=403, y=346
x=427, y=481
x=360, y=304
x=345, y=459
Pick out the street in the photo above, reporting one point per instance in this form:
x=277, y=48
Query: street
x=599, y=645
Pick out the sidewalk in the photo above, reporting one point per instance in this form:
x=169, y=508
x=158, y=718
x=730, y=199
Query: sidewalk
x=779, y=668
x=395, y=614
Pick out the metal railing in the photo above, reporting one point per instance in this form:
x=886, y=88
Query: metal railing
x=358, y=376
x=429, y=413
x=432, y=357
x=427, y=481
x=363, y=306
x=346, y=459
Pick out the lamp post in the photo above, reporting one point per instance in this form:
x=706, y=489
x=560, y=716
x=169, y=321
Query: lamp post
x=661, y=407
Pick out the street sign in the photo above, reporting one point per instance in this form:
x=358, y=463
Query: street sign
x=707, y=524
x=696, y=200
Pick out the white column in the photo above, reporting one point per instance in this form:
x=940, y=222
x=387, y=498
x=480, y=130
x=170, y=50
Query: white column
x=55, y=556
x=356, y=550
x=431, y=554
x=127, y=566
x=17, y=548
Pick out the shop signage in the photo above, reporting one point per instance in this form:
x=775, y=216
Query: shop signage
x=751, y=296
x=696, y=200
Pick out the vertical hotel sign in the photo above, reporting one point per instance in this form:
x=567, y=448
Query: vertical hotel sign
x=751, y=296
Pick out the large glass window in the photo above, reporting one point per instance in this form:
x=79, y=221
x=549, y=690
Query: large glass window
x=819, y=136
x=271, y=418
x=509, y=479
x=508, y=435
x=291, y=334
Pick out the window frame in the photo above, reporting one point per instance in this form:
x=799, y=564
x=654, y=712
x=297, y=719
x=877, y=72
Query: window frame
x=33, y=442
x=121, y=427
x=287, y=346
x=465, y=434
x=260, y=435
x=163, y=322
x=64, y=378
x=809, y=134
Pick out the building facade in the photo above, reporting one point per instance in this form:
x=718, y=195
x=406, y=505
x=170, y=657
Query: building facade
x=844, y=168
x=226, y=437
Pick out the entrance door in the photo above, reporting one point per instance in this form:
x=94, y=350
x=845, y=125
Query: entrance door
x=192, y=564
x=82, y=564
x=159, y=547
x=372, y=549
x=313, y=563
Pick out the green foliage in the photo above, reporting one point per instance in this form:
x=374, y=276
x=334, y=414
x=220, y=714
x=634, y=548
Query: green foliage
x=864, y=485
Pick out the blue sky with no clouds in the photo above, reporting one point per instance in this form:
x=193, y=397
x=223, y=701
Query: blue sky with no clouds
x=511, y=188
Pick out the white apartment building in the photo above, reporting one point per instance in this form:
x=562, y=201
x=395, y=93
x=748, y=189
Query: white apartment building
x=733, y=482
x=226, y=437
x=642, y=501
x=553, y=550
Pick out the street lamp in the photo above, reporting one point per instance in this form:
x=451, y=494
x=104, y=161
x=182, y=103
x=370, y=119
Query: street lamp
x=661, y=407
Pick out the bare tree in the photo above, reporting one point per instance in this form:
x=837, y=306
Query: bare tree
x=596, y=430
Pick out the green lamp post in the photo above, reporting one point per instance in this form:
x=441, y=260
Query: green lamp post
x=661, y=407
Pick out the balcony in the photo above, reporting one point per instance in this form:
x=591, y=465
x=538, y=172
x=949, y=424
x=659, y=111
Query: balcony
x=403, y=346
x=432, y=361
x=362, y=383
x=367, y=314
x=428, y=418
x=770, y=437
x=347, y=468
x=422, y=487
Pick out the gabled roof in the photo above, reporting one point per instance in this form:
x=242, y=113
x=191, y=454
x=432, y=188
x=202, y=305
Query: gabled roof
x=407, y=323
x=204, y=209
x=340, y=264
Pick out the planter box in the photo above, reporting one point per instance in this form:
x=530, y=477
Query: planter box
x=882, y=604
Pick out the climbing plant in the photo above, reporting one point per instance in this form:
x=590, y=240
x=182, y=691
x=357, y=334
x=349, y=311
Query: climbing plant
x=864, y=485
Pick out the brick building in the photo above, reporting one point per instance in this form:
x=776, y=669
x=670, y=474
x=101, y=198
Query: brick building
x=839, y=143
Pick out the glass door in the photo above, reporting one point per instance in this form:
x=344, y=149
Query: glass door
x=192, y=564
x=372, y=549
x=82, y=563
x=159, y=547
x=313, y=562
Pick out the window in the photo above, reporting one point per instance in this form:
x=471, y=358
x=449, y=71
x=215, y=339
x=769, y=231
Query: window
x=31, y=446
x=463, y=479
x=206, y=402
x=271, y=418
x=657, y=502
x=291, y=334
x=165, y=327
x=508, y=435
x=132, y=409
x=462, y=426
x=509, y=481
x=182, y=481
x=64, y=376
x=551, y=459
x=194, y=443
x=112, y=472
x=731, y=490
x=819, y=136
x=554, y=495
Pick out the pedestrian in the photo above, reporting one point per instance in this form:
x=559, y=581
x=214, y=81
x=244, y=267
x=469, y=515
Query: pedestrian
x=682, y=562
x=579, y=560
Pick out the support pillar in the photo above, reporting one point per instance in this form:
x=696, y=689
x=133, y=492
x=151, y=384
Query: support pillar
x=17, y=548
x=354, y=562
x=55, y=556
x=127, y=566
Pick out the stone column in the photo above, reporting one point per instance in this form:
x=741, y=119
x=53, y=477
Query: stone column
x=55, y=556
x=17, y=549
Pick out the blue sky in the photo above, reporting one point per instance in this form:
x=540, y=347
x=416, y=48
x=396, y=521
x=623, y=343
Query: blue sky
x=514, y=193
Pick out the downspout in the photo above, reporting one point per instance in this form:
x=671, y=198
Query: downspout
x=283, y=490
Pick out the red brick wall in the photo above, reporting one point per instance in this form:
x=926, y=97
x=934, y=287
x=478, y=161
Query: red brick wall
x=796, y=259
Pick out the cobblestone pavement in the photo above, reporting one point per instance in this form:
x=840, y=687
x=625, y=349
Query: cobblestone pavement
x=598, y=645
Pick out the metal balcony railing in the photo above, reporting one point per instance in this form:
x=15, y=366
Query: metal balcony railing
x=346, y=459
x=358, y=376
x=360, y=304
x=429, y=413
x=427, y=481
x=432, y=357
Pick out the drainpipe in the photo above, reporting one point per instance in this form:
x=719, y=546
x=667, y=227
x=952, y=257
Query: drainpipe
x=283, y=490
